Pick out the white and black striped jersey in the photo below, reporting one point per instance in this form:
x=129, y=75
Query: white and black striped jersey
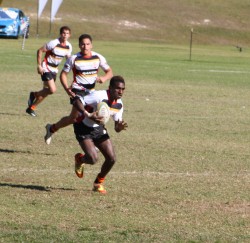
x=85, y=69
x=91, y=100
x=55, y=54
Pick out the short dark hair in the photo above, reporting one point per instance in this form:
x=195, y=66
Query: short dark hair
x=116, y=79
x=84, y=36
x=64, y=28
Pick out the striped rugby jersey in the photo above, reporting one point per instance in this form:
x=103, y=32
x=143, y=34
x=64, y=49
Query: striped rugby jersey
x=55, y=54
x=91, y=100
x=85, y=69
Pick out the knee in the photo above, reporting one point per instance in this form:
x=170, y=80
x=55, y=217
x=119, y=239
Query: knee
x=52, y=90
x=72, y=119
x=92, y=159
x=49, y=91
x=112, y=160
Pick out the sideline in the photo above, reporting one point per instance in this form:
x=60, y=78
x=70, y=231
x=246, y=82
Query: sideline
x=217, y=71
x=126, y=173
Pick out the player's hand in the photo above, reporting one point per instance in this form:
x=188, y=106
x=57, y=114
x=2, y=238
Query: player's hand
x=70, y=93
x=99, y=80
x=39, y=69
x=97, y=119
x=120, y=125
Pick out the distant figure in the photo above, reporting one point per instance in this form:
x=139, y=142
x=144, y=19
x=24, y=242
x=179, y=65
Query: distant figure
x=55, y=51
x=239, y=48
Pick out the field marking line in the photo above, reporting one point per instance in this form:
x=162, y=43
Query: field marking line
x=127, y=173
x=217, y=71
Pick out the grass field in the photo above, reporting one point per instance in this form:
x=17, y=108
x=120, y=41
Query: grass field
x=182, y=173
x=224, y=22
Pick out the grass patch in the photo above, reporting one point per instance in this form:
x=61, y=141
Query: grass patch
x=215, y=22
x=183, y=165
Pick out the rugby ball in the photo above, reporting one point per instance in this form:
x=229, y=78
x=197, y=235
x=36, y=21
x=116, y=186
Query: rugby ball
x=104, y=111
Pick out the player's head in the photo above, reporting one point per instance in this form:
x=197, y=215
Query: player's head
x=116, y=87
x=85, y=44
x=64, y=28
x=65, y=33
x=84, y=36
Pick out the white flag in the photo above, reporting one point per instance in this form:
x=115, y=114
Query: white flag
x=55, y=6
x=41, y=6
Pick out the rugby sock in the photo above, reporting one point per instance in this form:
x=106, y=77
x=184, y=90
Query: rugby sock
x=33, y=107
x=99, y=180
x=53, y=128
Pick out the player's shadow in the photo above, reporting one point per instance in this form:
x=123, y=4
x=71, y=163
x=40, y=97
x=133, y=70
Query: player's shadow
x=19, y=151
x=35, y=187
x=32, y=187
x=10, y=114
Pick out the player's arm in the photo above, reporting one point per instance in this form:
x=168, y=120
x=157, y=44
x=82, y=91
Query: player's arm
x=120, y=125
x=108, y=75
x=77, y=103
x=69, y=55
x=64, y=82
x=39, y=56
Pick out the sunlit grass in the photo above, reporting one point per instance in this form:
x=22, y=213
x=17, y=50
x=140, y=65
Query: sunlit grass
x=183, y=164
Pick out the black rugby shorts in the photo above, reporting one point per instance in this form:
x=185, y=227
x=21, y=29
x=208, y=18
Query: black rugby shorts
x=48, y=76
x=97, y=134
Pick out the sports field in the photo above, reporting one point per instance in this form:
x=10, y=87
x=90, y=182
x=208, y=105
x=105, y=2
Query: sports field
x=182, y=173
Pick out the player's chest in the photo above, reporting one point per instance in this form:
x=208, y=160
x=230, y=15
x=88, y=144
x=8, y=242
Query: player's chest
x=60, y=51
x=87, y=64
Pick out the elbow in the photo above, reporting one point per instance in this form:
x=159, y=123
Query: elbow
x=110, y=73
x=117, y=130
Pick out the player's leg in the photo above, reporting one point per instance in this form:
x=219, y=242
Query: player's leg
x=90, y=152
x=90, y=156
x=36, y=98
x=67, y=120
x=63, y=122
x=49, y=88
x=107, y=149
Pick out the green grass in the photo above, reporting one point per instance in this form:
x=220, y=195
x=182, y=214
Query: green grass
x=182, y=173
x=223, y=22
